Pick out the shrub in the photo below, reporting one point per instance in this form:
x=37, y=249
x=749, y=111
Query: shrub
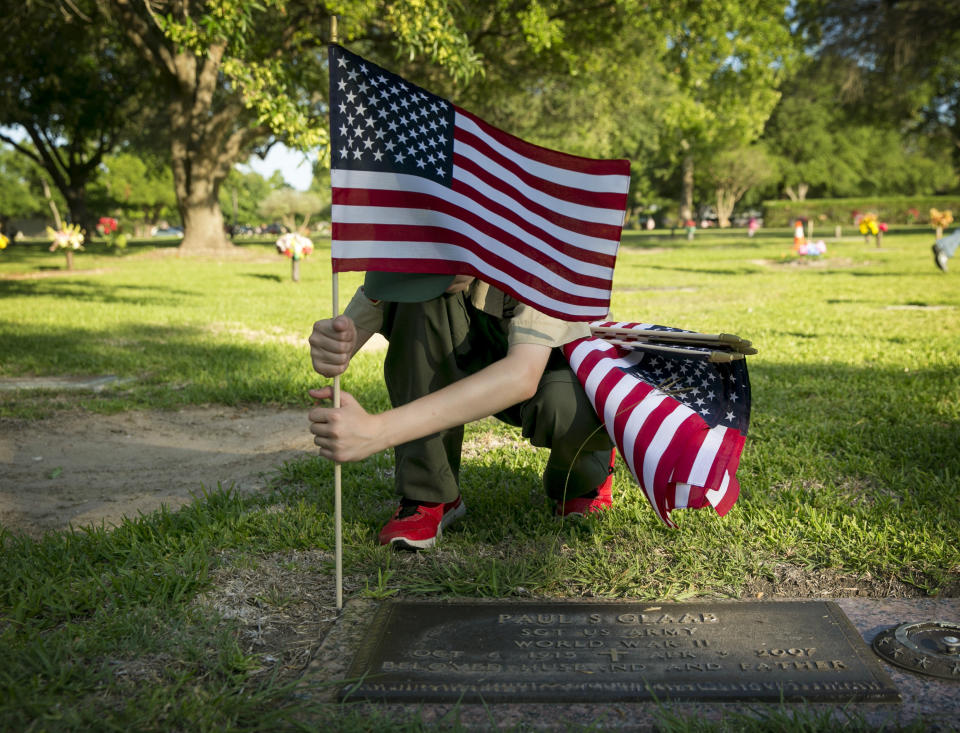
x=889, y=209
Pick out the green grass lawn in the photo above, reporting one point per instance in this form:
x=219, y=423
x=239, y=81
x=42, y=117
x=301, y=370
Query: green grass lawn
x=850, y=476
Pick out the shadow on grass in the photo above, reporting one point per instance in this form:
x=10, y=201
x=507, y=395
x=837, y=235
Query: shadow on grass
x=95, y=291
x=171, y=365
x=842, y=423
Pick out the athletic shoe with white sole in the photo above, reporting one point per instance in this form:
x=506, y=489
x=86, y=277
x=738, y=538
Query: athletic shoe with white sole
x=417, y=525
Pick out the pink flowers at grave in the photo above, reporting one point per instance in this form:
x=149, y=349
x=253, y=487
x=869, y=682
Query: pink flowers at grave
x=811, y=249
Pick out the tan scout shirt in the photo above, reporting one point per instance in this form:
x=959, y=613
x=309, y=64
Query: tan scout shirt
x=525, y=324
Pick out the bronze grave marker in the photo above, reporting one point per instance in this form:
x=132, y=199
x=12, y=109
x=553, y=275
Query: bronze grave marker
x=479, y=651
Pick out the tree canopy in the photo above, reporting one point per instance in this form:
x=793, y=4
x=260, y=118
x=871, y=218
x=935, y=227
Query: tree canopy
x=849, y=97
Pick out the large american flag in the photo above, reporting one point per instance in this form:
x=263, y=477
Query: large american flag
x=420, y=185
x=678, y=421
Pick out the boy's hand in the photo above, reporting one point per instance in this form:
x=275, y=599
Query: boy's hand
x=332, y=343
x=347, y=433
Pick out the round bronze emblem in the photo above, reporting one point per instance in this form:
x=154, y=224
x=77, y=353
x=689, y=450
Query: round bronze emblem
x=931, y=648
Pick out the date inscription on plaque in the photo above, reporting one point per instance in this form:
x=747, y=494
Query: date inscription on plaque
x=615, y=652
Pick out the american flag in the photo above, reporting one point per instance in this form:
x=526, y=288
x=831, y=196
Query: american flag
x=679, y=422
x=420, y=185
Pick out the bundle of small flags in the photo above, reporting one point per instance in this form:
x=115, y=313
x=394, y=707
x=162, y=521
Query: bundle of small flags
x=677, y=405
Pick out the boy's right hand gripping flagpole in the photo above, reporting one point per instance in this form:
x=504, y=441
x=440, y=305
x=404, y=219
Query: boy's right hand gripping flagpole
x=337, y=506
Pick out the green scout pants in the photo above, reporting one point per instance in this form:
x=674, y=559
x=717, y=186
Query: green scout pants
x=438, y=342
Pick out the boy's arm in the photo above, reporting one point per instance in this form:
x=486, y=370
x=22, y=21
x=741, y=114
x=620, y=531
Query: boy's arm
x=351, y=434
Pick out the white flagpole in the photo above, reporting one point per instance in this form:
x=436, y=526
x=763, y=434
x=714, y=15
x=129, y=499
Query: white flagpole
x=337, y=503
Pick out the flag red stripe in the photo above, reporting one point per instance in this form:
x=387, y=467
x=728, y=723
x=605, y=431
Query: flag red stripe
x=551, y=157
x=598, y=199
x=448, y=267
x=430, y=203
x=379, y=234
x=662, y=481
x=555, y=216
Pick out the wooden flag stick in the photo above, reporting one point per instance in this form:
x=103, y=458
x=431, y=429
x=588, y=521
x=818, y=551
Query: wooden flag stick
x=717, y=357
x=722, y=338
x=337, y=501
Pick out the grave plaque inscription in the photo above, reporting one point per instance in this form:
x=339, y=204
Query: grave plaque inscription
x=581, y=652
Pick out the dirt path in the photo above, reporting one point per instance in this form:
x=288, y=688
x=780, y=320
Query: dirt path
x=84, y=469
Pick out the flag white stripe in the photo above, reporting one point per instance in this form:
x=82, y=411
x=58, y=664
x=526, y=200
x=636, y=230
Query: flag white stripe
x=715, y=496
x=706, y=456
x=632, y=429
x=602, y=183
x=382, y=181
x=391, y=216
x=612, y=406
x=598, y=215
x=681, y=496
x=453, y=253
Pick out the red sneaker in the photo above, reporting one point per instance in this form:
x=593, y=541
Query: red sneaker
x=418, y=525
x=598, y=500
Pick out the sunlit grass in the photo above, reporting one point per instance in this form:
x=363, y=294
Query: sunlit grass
x=850, y=476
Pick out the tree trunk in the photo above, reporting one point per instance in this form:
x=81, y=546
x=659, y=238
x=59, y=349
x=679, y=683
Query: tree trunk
x=76, y=196
x=798, y=194
x=197, y=188
x=686, y=193
x=199, y=152
x=726, y=200
x=203, y=228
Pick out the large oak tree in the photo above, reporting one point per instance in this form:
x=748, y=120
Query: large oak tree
x=69, y=94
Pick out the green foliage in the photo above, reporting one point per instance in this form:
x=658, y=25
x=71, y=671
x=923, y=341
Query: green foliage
x=72, y=91
x=727, y=61
x=248, y=190
x=735, y=171
x=20, y=191
x=139, y=188
x=891, y=209
x=293, y=208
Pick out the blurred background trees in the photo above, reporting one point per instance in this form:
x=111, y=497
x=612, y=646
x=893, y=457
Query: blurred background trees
x=151, y=110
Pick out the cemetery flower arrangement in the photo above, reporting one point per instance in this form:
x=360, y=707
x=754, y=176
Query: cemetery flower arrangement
x=109, y=229
x=940, y=219
x=811, y=249
x=107, y=226
x=294, y=245
x=4, y=241
x=869, y=224
x=70, y=238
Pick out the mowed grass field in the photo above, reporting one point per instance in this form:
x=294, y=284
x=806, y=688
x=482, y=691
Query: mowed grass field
x=850, y=476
